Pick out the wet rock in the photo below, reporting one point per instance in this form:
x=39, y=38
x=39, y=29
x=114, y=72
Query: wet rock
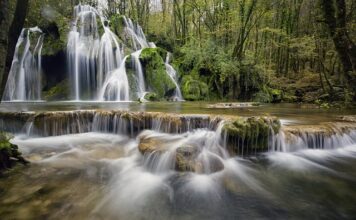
x=151, y=96
x=348, y=118
x=187, y=160
x=250, y=135
x=150, y=145
x=155, y=72
x=215, y=165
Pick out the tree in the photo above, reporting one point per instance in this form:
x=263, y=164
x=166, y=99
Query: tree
x=14, y=33
x=335, y=18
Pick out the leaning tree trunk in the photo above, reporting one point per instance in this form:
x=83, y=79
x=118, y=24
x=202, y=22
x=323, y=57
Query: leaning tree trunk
x=14, y=33
x=335, y=17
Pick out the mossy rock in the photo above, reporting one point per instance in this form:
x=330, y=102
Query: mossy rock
x=194, y=90
x=157, y=79
x=252, y=133
x=276, y=95
x=56, y=34
x=117, y=24
x=9, y=153
x=151, y=96
x=59, y=92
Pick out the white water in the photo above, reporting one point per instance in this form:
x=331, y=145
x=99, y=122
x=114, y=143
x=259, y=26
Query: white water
x=25, y=76
x=91, y=57
x=116, y=85
x=96, y=64
x=148, y=185
x=140, y=80
x=173, y=75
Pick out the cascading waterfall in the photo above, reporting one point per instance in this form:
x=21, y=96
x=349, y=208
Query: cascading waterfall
x=136, y=34
x=90, y=57
x=116, y=86
x=173, y=75
x=140, y=80
x=95, y=60
x=25, y=76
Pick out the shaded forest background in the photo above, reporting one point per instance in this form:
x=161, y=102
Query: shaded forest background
x=266, y=51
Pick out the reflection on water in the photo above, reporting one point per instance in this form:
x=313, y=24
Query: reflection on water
x=104, y=176
x=288, y=113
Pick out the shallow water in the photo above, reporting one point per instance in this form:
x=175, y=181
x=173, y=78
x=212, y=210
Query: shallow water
x=288, y=113
x=104, y=176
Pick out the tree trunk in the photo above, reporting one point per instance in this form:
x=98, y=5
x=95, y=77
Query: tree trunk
x=4, y=24
x=14, y=33
x=335, y=17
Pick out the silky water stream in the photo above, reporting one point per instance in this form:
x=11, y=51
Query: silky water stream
x=122, y=165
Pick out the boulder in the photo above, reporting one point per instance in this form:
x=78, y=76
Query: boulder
x=149, y=145
x=187, y=160
x=157, y=79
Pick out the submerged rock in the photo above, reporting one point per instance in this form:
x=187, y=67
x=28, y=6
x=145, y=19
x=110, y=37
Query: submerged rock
x=234, y=105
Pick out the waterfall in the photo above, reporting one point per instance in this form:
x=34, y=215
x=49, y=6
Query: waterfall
x=95, y=59
x=91, y=57
x=329, y=136
x=139, y=73
x=25, y=76
x=136, y=34
x=172, y=73
x=116, y=86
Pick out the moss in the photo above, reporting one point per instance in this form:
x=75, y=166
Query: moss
x=157, y=79
x=59, y=92
x=56, y=33
x=194, y=89
x=9, y=153
x=276, y=95
x=151, y=96
x=117, y=23
x=252, y=134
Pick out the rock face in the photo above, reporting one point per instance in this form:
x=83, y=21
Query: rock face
x=9, y=154
x=155, y=72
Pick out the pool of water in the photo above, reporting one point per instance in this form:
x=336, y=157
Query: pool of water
x=289, y=113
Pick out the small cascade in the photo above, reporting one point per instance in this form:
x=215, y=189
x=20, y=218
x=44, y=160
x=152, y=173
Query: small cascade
x=136, y=34
x=173, y=75
x=140, y=80
x=116, y=85
x=25, y=76
x=327, y=136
